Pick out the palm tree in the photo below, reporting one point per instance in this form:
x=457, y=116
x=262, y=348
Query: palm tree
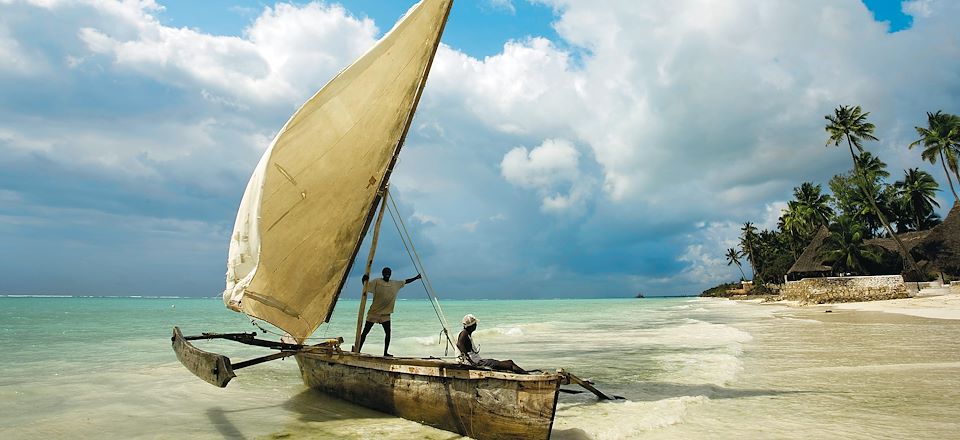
x=747, y=242
x=845, y=248
x=817, y=205
x=893, y=204
x=733, y=257
x=941, y=139
x=850, y=124
x=917, y=190
x=874, y=172
x=872, y=167
x=797, y=221
x=861, y=210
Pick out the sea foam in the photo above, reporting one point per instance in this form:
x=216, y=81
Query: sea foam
x=620, y=419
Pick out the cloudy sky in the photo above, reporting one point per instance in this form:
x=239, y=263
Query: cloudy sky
x=563, y=148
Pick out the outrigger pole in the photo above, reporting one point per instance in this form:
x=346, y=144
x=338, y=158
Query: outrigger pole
x=586, y=384
x=217, y=369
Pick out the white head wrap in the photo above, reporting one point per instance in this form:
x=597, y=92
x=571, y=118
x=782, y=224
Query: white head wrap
x=469, y=320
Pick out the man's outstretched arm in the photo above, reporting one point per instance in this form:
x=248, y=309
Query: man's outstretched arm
x=410, y=280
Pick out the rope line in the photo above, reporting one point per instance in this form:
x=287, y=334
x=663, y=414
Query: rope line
x=415, y=259
x=418, y=264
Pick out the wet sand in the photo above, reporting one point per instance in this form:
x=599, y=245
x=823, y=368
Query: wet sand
x=938, y=307
x=848, y=373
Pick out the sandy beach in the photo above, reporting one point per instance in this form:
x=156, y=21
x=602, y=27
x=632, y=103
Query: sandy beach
x=946, y=306
x=937, y=307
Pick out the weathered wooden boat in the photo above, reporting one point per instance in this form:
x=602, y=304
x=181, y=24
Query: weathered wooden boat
x=482, y=404
x=475, y=402
x=303, y=216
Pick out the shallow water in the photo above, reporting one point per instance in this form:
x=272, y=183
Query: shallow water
x=689, y=368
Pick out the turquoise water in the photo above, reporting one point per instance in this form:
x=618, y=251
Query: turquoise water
x=689, y=368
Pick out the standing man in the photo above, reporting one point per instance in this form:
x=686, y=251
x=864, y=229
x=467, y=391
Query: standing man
x=384, y=297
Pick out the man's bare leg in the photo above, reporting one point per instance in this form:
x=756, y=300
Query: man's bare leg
x=386, y=339
x=363, y=337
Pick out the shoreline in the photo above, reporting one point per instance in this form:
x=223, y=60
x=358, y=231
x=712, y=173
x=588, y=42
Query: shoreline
x=946, y=306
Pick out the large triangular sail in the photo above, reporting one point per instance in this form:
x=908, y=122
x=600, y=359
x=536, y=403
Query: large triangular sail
x=312, y=195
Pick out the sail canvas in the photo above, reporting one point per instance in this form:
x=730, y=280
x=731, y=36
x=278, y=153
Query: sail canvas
x=310, y=198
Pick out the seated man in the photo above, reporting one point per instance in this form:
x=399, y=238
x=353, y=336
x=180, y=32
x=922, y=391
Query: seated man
x=470, y=353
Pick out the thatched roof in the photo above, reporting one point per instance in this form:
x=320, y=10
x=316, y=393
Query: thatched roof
x=941, y=247
x=810, y=261
x=910, y=240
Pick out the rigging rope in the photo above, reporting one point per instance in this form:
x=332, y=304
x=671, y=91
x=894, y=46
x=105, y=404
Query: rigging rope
x=418, y=264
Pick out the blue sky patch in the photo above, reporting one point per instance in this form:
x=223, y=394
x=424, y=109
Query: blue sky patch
x=477, y=27
x=890, y=11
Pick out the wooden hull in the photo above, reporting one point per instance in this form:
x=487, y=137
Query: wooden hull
x=482, y=404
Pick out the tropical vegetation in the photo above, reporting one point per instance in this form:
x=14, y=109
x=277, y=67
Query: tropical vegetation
x=861, y=204
x=733, y=257
x=941, y=140
x=849, y=123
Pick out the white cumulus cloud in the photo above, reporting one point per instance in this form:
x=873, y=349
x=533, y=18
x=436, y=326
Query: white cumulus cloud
x=552, y=168
x=646, y=134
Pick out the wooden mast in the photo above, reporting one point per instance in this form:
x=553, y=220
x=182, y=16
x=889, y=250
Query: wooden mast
x=366, y=271
x=385, y=181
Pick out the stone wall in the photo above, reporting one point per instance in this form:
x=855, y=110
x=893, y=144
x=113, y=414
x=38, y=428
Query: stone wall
x=845, y=289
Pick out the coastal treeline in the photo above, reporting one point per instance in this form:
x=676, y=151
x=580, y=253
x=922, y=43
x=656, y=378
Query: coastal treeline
x=868, y=201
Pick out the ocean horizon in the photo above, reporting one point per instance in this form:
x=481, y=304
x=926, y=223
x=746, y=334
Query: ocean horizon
x=102, y=367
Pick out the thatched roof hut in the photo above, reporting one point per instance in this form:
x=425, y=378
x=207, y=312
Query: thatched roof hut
x=941, y=247
x=809, y=261
x=910, y=240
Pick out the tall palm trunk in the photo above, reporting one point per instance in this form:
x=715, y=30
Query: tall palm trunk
x=916, y=213
x=949, y=179
x=883, y=218
x=753, y=262
x=757, y=267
